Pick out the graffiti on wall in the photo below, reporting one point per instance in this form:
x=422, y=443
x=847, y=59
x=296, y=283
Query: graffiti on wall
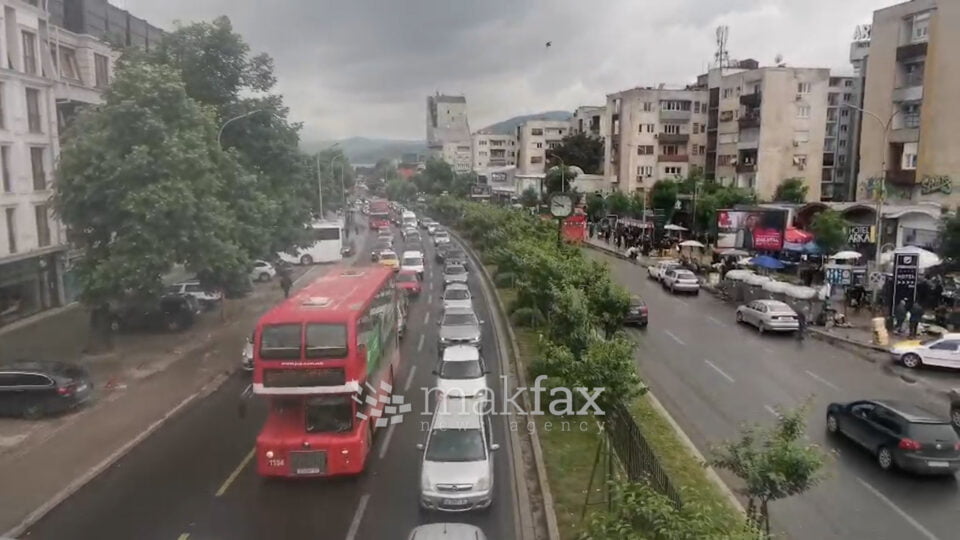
x=939, y=183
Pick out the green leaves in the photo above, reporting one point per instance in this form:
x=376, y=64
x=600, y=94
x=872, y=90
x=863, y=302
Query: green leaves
x=830, y=229
x=792, y=190
x=581, y=150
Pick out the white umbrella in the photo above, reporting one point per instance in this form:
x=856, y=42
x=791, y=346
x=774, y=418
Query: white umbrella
x=691, y=243
x=672, y=227
x=927, y=258
x=845, y=255
x=734, y=252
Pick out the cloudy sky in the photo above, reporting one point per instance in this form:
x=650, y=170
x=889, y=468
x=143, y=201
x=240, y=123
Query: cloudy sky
x=364, y=67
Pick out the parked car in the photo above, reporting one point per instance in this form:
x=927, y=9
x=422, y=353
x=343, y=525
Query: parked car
x=447, y=531
x=262, y=271
x=638, y=314
x=656, y=271
x=680, y=280
x=459, y=326
x=407, y=280
x=769, y=315
x=941, y=351
x=462, y=373
x=413, y=260
x=456, y=473
x=441, y=237
x=457, y=295
x=899, y=435
x=172, y=312
x=454, y=273
x=389, y=259
x=33, y=389
x=207, y=299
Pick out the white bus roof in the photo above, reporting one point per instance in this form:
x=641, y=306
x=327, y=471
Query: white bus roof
x=327, y=224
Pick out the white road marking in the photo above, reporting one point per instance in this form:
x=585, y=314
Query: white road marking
x=429, y=298
x=247, y=391
x=716, y=320
x=916, y=524
x=386, y=441
x=358, y=516
x=426, y=317
x=720, y=371
x=675, y=338
x=768, y=350
x=406, y=385
x=420, y=343
x=236, y=472
x=772, y=411
x=822, y=380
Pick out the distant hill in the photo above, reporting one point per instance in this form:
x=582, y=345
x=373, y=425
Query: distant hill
x=509, y=126
x=362, y=150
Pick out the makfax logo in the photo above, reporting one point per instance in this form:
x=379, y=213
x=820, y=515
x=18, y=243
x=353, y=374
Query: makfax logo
x=387, y=409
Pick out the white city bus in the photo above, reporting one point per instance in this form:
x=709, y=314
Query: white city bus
x=326, y=248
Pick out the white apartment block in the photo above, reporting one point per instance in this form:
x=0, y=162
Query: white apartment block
x=46, y=74
x=448, y=131
x=590, y=120
x=654, y=134
x=458, y=154
x=534, y=140
x=493, y=150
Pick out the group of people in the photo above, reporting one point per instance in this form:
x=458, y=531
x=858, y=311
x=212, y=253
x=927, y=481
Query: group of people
x=909, y=314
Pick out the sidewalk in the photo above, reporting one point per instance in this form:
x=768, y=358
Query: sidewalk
x=612, y=249
x=139, y=385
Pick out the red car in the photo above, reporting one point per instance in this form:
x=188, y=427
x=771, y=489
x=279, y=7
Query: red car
x=408, y=281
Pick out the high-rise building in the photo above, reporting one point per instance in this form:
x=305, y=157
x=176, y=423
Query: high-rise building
x=654, y=134
x=448, y=132
x=841, y=136
x=492, y=150
x=911, y=88
x=589, y=119
x=535, y=138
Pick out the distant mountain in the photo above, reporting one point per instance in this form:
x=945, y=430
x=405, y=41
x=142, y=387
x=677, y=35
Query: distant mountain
x=362, y=150
x=509, y=127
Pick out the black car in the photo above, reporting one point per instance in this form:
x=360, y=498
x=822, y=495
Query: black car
x=172, y=313
x=638, y=314
x=35, y=389
x=899, y=434
x=441, y=251
x=455, y=256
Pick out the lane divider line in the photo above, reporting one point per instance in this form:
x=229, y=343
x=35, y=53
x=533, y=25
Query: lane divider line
x=358, y=516
x=916, y=524
x=420, y=343
x=822, y=380
x=771, y=410
x=236, y=472
x=716, y=320
x=426, y=317
x=386, y=441
x=406, y=386
x=674, y=337
x=720, y=371
x=183, y=536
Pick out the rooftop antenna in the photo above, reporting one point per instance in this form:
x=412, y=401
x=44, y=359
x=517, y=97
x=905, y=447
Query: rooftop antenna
x=722, y=55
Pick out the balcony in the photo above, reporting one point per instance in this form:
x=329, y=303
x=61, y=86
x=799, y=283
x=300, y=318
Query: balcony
x=902, y=177
x=749, y=121
x=751, y=100
x=911, y=50
x=905, y=135
x=673, y=158
x=497, y=162
x=907, y=93
x=674, y=116
x=747, y=167
x=673, y=138
x=828, y=159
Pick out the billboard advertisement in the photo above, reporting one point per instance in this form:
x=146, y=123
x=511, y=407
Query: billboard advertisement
x=751, y=229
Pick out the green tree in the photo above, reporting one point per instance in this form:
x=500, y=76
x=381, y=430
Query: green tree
x=637, y=204
x=713, y=197
x=579, y=149
x=529, y=197
x=559, y=179
x=618, y=203
x=773, y=463
x=663, y=196
x=462, y=184
x=949, y=247
x=596, y=206
x=401, y=190
x=143, y=186
x=830, y=230
x=438, y=176
x=792, y=190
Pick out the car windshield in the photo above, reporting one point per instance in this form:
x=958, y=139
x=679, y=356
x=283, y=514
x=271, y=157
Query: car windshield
x=280, y=341
x=929, y=432
x=326, y=340
x=407, y=278
x=442, y=234
x=455, y=445
x=453, y=270
x=459, y=319
x=388, y=256
x=469, y=369
x=413, y=261
x=381, y=246
x=686, y=275
x=456, y=294
x=329, y=414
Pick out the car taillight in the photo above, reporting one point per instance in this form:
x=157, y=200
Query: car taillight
x=64, y=390
x=909, y=444
x=643, y=310
x=956, y=446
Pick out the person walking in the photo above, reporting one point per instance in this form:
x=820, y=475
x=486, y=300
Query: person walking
x=801, y=323
x=899, y=315
x=286, y=283
x=916, y=315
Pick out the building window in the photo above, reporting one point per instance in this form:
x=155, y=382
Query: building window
x=847, y=98
x=703, y=150
x=482, y=153
x=724, y=160
x=726, y=116
x=674, y=105
x=29, y=53
x=844, y=112
x=842, y=144
x=803, y=111
x=644, y=170
x=800, y=160
x=645, y=150
x=43, y=225
x=647, y=106
x=11, y=215
x=696, y=107
x=36, y=166
x=538, y=145
x=696, y=128
x=536, y=131
x=693, y=150
x=33, y=110
x=728, y=138
x=68, y=64
x=848, y=83
x=536, y=159
x=5, y=169
x=803, y=88
x=920, y=28
x=553, y=145
x=482, y=142
x=801, y=136
x=727, y=92
x=672, y=171
x=669, y=150
x=671, y=129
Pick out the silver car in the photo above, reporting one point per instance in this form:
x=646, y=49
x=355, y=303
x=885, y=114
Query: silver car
x=680, y=280
x=456, y=474
x=440, y=237
x=459, y=326
x=772, y=315
x=447, y=531
x=454, y=273
x=457, y=295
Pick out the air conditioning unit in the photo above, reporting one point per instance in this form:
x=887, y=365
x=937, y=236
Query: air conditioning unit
x=796, y=143
x=799, y=97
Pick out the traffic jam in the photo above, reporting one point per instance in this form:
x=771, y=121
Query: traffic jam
x=327, y=360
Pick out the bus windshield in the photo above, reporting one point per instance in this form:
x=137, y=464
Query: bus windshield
x=329, y=414
x=326, y=340
x=280, y=342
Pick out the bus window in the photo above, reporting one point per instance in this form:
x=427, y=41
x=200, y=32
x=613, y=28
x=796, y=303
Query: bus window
x=326, y=340
x=326, y=233
x=280, y=342
x=329, y=414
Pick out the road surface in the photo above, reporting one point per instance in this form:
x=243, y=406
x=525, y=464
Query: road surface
x=194, y=479
x=713, y=375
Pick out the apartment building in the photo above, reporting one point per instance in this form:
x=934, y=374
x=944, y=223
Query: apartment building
x=448, y=131
x=913, y=80
x=840, y=158
x=654, y=134
x=589, y=119
x=766, y=125
x=102, y=20
x=493, y=150
x=535, y=138
x=48, y=72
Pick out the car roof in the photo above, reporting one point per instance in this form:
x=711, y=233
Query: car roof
x=412, y=254
x=388, y=252
x=408, y=272
x=950, y=335
x=458, y=413
x=461, y=353
x=773, y=303
x=452, y=265
x=457, y=286
x=910, y=412
x=447, y=531
x=459, y=311
x=40, y=366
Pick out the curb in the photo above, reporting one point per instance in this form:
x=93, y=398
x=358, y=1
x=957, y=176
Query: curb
x=611, y=251
x=33, y=517
x=553, y=530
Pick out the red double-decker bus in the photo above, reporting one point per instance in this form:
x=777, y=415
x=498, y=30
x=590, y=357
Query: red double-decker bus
x=379, y=213
x=316, y=358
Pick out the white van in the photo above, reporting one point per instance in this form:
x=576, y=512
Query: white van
x=408, y=219
x=327, y=237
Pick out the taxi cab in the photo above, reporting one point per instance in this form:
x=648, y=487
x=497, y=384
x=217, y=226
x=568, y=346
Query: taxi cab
x=941, y=351
x=389, y=259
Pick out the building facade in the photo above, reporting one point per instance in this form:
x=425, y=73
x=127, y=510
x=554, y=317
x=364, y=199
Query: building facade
x=654, y=134
x=492, y=150
x=589, y=119
x=49, y=72
x=102, y=20
x=535, y=138
x=448, y=131
x=912, y=80
x=840, y=158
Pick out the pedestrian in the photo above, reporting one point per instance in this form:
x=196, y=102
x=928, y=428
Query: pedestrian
x=285, y=284
x=916, y=314
x=899, y=315
x=801, y=323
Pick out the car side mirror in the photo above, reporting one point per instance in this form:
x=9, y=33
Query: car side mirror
x=482, y=321
x=486, y=372
x=434, y=372
x=494, y=447
x=419, y=446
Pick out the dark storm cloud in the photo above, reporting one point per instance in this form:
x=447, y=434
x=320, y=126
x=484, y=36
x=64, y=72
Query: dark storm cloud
x=364, y=67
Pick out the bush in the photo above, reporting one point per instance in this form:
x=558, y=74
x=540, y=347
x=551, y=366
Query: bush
x=527, y=317
x=504, y=280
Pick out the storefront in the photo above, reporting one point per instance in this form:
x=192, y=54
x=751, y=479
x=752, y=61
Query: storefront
x=29, y=286
x=919, y=229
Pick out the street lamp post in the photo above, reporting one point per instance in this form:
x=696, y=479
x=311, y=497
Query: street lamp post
x=244, y=115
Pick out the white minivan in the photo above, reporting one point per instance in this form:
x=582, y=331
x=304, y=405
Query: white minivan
x=408, y=219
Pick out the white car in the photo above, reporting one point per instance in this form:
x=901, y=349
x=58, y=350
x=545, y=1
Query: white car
x=432, y=228
x=262, y=271
x=441, y=237
x=656, y=271
x=462, y=373
x=679, y=280
x=413, y=260
x=447, y=531
x=192, y=288
x=456, y=474
x=941, y=351
x=457, y=295
x=772, y=315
